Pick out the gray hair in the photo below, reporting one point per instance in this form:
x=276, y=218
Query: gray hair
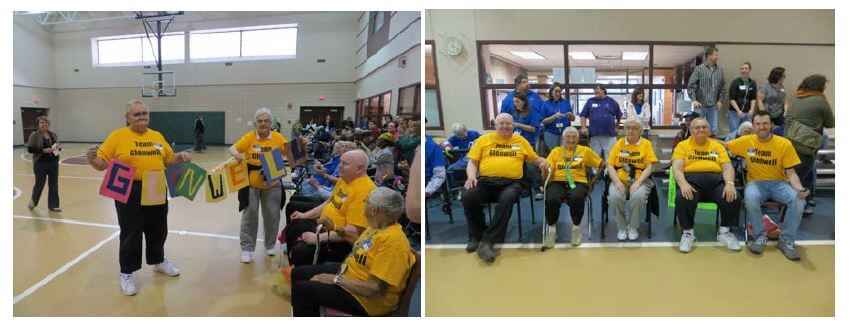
x=458, y=128
x=390, y=203
x=632, y=121
x=131, y=104
x=744, y=126
x=570, y=129
x=263, y=111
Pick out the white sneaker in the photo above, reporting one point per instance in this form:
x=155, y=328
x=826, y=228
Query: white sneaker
x=551, y=235
x=167, y=267
x=687, y=242
x=128, y=284
x=575, y=240
x=621, y=235
x=729, y=240
x=271, y=252
x=633, y=234
x=246, y=257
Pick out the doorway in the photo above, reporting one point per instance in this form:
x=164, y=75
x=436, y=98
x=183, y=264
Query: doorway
x=28, y=116
x=318, y=113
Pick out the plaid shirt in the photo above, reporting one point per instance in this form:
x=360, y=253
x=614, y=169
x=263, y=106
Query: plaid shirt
x=707, y=85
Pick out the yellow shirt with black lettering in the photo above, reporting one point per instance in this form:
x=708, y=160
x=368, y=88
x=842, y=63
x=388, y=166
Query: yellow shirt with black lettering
x=387, y=257
x=582, y=158
x=765, y=160
x=638, y=155
x=347, y=204
x=147, y=152
x=498, y=157
x=706, y=158
x=252, y=146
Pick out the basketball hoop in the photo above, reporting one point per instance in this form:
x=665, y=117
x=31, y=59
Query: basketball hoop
x=155, y=93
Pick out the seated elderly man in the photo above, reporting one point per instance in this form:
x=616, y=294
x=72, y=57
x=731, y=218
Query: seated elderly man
x=371, y=279
x=344, y=209
x=497, y=159
x=632, y=158
x=770, y=162
x=704, y=173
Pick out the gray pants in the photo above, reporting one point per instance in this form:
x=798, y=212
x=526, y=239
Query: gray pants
x=269, y=201
x=617, y=201
x=602, y=143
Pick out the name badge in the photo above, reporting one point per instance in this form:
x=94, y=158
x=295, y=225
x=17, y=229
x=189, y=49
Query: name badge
x=157, y=146
x=713, y=154
x=594, y=105
x=624, y=153
x=257, y=148
x=367, y=246
x=577, y=158
x=751, y=152
x=515, y=147
x=742, y=87
x=782, y=90
x=559, y=125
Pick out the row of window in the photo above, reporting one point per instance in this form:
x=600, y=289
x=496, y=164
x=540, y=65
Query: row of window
x=374, y=107
x=232, y=44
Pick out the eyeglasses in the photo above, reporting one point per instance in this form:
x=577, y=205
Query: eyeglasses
x=139, y=114
x=263, y=121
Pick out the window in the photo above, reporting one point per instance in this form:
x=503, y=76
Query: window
x=408, y=101
x=379, y=32
x=662, y=70
x=246, y=43
x=433, y=109
x=137, y=50
x=374, y=107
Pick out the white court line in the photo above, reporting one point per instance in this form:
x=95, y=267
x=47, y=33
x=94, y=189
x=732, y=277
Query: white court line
x=72, y=177
x=16, y=192
x=64, y=268
x=24, y=157
x=612, y=245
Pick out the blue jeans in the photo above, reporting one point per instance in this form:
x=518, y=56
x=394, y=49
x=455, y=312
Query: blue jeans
x=552, y=140
x=710, y=114
x=735, y=121
x=777, y=190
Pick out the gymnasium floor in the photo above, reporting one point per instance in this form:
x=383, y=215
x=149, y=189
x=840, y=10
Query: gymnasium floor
x=648, y=277
x=61, y=258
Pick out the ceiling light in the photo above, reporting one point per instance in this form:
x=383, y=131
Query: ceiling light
x=582, y=55
x=528, y=55
x=635, y=55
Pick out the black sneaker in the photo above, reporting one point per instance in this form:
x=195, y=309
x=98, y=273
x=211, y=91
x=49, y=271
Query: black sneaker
x=472, y=245
x=808, y=211
x=485, y=252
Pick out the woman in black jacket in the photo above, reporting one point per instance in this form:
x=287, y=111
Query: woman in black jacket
x=44, y=146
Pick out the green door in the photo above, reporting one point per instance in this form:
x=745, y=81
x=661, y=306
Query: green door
x=179, y=127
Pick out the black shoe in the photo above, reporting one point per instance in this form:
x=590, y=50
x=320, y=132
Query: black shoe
x=811, y=202
x=485, y=252
x=808, y=211
x=472, y=245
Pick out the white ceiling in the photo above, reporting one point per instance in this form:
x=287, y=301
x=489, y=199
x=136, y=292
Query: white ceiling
x=664, y=56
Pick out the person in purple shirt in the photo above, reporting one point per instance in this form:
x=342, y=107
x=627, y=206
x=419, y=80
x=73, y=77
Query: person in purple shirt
x=604, y=115
x=462, y=139
x=521, y=82
x=558, y=115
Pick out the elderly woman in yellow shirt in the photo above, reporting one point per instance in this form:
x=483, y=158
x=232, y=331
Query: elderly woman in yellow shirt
x=569, y=181
x=147, y=150
x=631, y=160
x=704, y=173
x=498, y=159
x=371, y=279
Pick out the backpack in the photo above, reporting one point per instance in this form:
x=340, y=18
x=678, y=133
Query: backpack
x=806, y=140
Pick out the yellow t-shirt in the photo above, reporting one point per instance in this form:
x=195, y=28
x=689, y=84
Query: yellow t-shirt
x=252, y=146
x=387, y=257
x=637, y=155
x=765, y=160
x=584, y=157
x=705, y=158
x=498, y=157
x=146, y=152
x=347, y=204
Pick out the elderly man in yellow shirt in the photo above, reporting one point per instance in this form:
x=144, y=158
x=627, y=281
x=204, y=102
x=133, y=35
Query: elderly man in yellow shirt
x=345, y=208
x=704, y=173
x=493, y=174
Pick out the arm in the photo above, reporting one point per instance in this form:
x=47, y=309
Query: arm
x=95, y=162
x=372, y=288
x=760, y=100
x=794, y=180
x=722, y=93
x=414, y=188
x=178, y=158
x=598, y=174
x=471, y=174
x=693, y=82
x=733, y=96
x=235, y=153
x=437, y=179
x=679, y=174
x=524, y=127
x=729, y=192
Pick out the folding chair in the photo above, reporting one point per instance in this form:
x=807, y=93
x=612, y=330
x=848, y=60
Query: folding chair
x=671, y=202
x=647, y=219
x=741, y=173
x=403, y=307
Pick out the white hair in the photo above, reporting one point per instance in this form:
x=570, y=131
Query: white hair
x=131, y=104
x=458, y=128
x=633, y=121
x=744, y=125
x=390, y=203
x=263, y=111
x=570, y=129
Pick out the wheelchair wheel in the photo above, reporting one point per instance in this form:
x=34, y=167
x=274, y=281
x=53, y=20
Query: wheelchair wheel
x=447, y=208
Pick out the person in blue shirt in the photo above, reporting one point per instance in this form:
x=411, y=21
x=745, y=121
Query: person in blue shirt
x=558, y=115
x=527, y=125
x=435, y=166
x=462, y=139
x=521, y=82
x=604, y=115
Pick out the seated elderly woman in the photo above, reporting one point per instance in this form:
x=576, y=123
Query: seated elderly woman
x=744, y=129
x=704, y=173
x=632, y=158
x=371, y=279
x=498, y=159
x=568, y=181
x=382, y=158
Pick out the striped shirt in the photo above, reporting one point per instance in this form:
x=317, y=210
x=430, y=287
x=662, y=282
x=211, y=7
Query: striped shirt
x=707, y=85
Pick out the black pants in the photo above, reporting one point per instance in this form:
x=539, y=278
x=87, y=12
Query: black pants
x=308, y=296
x=136, y=220
x=557, y=192
x=531, y=176
x=806, y=171
x=46, y=171
x=708, y=187
x=301, y=253
x=300, y=203
x=504, y=192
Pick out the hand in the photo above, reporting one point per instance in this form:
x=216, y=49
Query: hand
x=327, y=224
x=297, y=216
x=313, y=182
x=571, y=116
x=403, y=166
x=183, y=157
x=320, y=169
x=697, y=105
x=470, y=183
x=741, y=114
x=428, y=194
x=91, y=154
x=719, y=104
x=635, y=187
x=584, y=130
x=309, y=237
x=323, y=278
x=687, y=191
x=620, y=187
x=238, y=156
x=544, y=172
x=729, y=192
x=802, y=193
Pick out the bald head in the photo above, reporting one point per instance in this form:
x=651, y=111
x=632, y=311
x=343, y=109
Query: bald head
x=353, y=165
x=504, y=125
